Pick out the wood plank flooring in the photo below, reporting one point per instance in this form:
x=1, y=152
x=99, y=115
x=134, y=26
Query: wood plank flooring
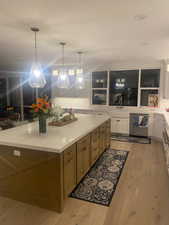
x=141, y=198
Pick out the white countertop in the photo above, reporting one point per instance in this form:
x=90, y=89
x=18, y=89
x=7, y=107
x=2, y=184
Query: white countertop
x=56, y=140
x=165, y=115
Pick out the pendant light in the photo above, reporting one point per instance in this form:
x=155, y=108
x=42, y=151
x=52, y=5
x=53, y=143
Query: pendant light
x=37, y=78
x=63, y=79
x=80, y=83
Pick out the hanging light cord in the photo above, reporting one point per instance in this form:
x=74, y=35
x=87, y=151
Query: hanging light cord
x=36, y=55
x=80, y=59
x=63, y=54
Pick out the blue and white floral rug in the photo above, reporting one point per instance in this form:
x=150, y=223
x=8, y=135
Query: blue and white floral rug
x=99, y=184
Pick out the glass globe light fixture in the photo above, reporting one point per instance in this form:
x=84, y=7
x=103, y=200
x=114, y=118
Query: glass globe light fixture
x=36, y=78
x=63, y=78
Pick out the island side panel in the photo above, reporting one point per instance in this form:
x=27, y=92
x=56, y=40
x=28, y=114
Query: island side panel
x=33, y=177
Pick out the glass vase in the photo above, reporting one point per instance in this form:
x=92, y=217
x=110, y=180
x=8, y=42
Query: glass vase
x=42, y=124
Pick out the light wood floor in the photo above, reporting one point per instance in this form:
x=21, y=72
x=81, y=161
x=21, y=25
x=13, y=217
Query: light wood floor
x=141, y=198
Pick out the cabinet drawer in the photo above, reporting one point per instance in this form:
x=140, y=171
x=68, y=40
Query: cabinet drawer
x=95, y=136
x=84, y=141
x=68, y=155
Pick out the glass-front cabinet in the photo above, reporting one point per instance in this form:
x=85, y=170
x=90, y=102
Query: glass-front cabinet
x=123, y=88
x=99, y=88
x=139, y=87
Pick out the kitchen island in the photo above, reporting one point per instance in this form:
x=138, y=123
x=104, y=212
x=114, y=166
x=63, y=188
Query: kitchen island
x=43, y=170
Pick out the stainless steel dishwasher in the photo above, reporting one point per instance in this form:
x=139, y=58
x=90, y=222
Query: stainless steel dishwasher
x=139, y=124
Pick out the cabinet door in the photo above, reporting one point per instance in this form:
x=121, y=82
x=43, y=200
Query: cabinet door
x=108, y=125
x=114, y=127
x=69, y=165
x=120, y=125
x=102, y=138
x=123, y=126
x=83, y=157
x=95, y=148
x=158, y=126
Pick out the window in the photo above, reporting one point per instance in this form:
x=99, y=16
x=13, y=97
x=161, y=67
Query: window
x=149, y=98
x=3, y=97
x=126, y=87
x=99, y=79
x=123, y=88
x=99, y=97
x=150, y=78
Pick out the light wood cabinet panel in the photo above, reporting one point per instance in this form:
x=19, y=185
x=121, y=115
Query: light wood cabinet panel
x=83, y=157
x=95, y=148
x=101, y=138
x=120, y=125
x=108, y=133
x=104, y=136
x=34, y=177
x=69, y=166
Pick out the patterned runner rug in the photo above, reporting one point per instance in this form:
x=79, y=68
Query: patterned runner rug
x=99, y=184
x=126, y=138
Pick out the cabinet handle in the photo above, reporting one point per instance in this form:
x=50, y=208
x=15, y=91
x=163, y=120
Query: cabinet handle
x=83, y=149
x=95, y=149
x=70, y=152
x=69, y=160
x=117, y=120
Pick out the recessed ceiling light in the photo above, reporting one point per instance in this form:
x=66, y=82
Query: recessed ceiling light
x=140, y=17
x=144, y=43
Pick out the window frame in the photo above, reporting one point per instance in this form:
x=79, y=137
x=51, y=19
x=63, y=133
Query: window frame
x=139, y=87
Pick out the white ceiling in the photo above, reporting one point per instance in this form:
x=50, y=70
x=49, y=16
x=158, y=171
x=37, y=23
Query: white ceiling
x=109, y=31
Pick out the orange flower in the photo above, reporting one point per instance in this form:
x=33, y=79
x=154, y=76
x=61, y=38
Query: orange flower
x=39, y=105
x=42, y=106
x=34, y=106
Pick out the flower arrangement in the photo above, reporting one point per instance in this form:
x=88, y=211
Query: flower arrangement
x=42, y=110
x=42, y=107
